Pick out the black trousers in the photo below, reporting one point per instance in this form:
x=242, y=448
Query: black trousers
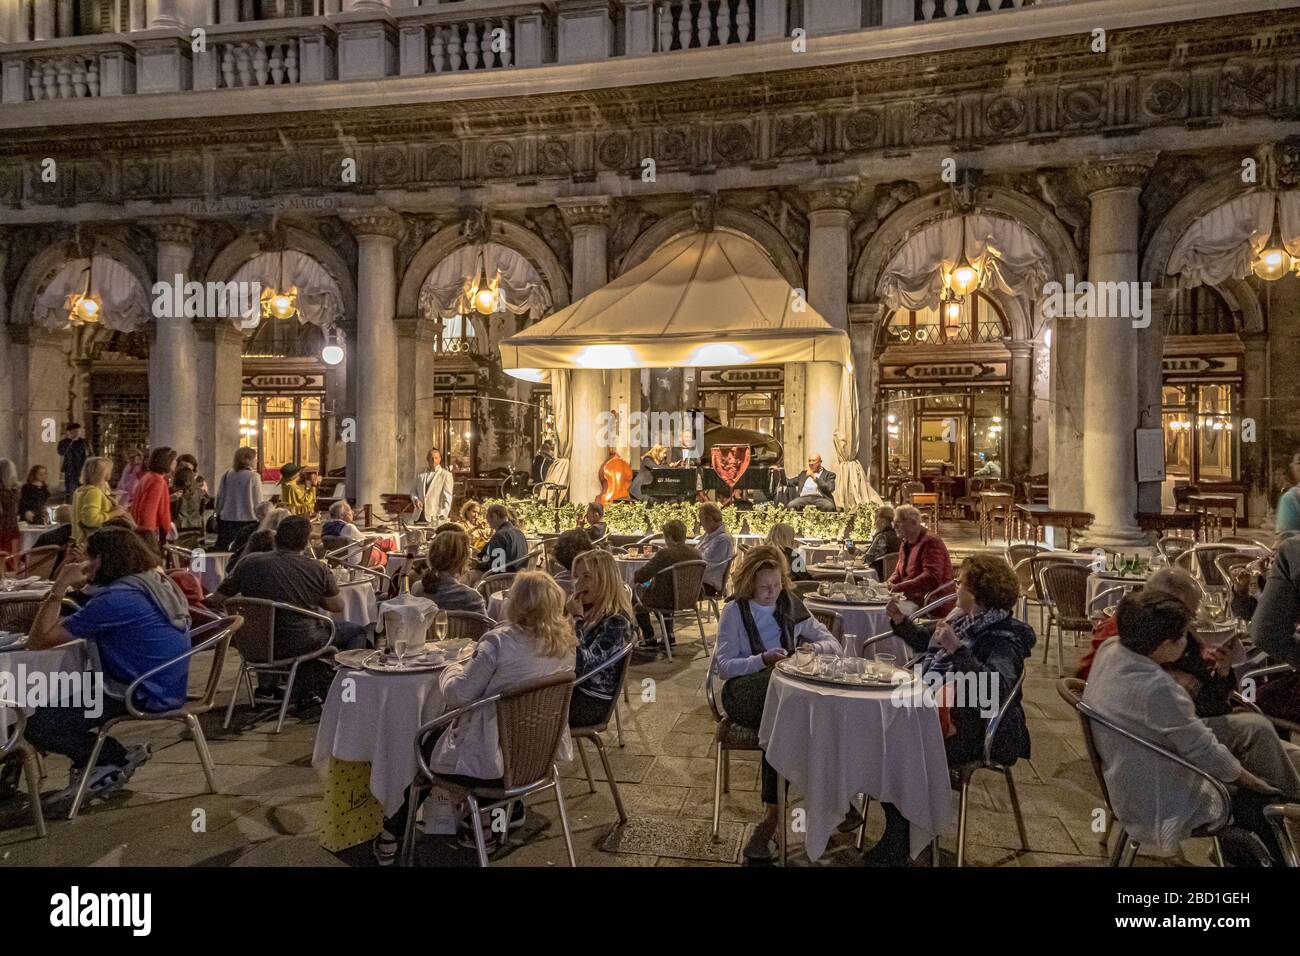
x=742, y=699
x=68, y=731
x=588, y=711
x=645, y=621
x=228, y=531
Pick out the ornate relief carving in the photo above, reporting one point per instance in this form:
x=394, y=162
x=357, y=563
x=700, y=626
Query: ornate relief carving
x=797, y=135
x=584, y=210
x=388, y=165
x=418, y=231
x=547, y=222
x=375, y=222
x=1165, y=96
x=553, y=156
x=786, y=219
x=733, y=143
x=178, y=230
x=92, y=180
x=1246, y=86
x=286, y=172
x=1117, y=173
x=933, y=121
x=1082, y=106
x=499, y=158
x=704, y=206
x=672, y=147
x=862, y=129
x=627, y=220
x=1057, y=188
x=1286, y=156
x=186, y=174
x=886, y=198
x=138, y=178
x=1004, y=114
x=442, y=163
x=614, y=151
x=475, y=224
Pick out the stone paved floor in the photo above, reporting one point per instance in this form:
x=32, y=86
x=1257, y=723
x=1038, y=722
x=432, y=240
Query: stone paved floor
x=268, y=810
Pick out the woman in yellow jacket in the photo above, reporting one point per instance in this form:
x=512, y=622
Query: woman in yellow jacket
x=92, y=502
x=298, y=490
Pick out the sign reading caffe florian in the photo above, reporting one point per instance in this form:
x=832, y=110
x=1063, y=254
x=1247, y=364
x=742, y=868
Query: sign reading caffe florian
x=284, y=382
x=944, y=372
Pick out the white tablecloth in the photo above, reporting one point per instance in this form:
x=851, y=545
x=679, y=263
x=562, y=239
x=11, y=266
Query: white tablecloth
x=1099, y=582
x=212, y=569
x=862, y=621
x=63, y=659
x=29, y=533
x=866, y=742
x=628, y=567
x=496, y=605
x=817, y=553
x=360, y=603
x=379, y=726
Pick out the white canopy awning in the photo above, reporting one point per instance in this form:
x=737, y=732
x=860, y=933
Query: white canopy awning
x=704, y=299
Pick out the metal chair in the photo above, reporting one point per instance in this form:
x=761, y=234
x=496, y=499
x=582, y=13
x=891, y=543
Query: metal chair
x=593, y=731
x=687, y=579
x=465, y=624
x=1125, y=850
x=257, y=652
x=214, y=637
x=1226, y=564
x=38, y=561
x=1201, y=561
x=189, y=539
x=727, y=736
x=492, y=583
x=1064, y=586
x=531, y=721
x=712, y=599
x=1118, y=589
x=12, y=744
x=962, y=774
x=1284, y=818
x=833, y=621
x=1172, y=546
x=944, y=597
x=1018, y=555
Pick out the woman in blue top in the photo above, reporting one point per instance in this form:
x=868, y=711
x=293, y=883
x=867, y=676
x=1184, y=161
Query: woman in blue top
x=135, y=620
x=1288, y=506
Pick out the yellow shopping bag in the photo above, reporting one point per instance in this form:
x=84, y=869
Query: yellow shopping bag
x=352, y=814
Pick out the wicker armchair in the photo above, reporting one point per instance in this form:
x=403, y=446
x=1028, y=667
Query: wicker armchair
x=1064, y=587
x=593, y=731
x=531, y=721
x=14, y=747
x=39, y=561
x=727, y=736
x=888, y=564
x=214, y=637
x=18, y=613
x=1172, y=546
x=464, y=624
x=257, y=650
x=688, y=585
x=492, y=583
x=831, y=620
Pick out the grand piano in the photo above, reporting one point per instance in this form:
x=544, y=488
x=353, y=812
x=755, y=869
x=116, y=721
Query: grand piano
x=681, y=484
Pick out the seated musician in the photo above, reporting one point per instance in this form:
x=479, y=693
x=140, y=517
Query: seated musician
x=814, y=487
x=654, y=458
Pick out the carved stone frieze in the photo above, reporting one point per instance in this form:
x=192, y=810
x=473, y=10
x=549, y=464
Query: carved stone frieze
x=627, y=220
x=786, y=218
x=886, y=198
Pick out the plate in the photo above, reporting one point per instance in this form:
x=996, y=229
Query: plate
x=898, y=677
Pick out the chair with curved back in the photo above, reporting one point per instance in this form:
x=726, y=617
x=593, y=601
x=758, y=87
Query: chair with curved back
x=1284, y=818
x=497, y=581
x=707, y=594
x=531, y=720
x=464, y=625
x=13, y=745
x=592, y=732
x=256, y=644
x=831, y=620
x=1227, y=564
x=1200, y=561
x=728, y=736
x=909, y=488
x=39, y=561
x=214, y=637
x=888, y=564
x=687, y=586
x=1018, y=555
x=969, y=502
x=1172, y=546
x=1125, y=849
x=1064, y=586
x=17, y=614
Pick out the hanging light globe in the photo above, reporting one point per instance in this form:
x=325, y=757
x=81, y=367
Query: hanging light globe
x=1273, y=261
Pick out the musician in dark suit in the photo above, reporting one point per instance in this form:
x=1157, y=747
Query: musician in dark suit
x=814, y=487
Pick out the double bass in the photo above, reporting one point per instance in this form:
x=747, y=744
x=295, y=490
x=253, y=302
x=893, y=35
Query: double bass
x=615, y=475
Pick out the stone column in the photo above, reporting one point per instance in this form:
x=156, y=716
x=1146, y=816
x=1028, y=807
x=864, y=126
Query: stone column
x=43, y=22
x=416, y=338
x=8, y=434
x=588, y=222
x=1255, y=411
x=829, y=220
x=864, y=325
x=1067, y=362
x=1020, y=427
x=41, y=378
x=173, y=348
x=1110, y=398
x=376, y=367
x=219, y=377
x=1150, y=383
x=164, y=14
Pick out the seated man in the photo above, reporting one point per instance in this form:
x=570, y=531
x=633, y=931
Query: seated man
x=564, y=551
x=658, y=591
x=136, y=620
x=716, y=547
x=341, y=527
x=1131, y=685
x=814, y=487
x=923, y=560
x=507, y=549
x=291, y=576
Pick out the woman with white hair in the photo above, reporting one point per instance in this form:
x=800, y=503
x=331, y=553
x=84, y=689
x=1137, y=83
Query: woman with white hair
x=9, y=492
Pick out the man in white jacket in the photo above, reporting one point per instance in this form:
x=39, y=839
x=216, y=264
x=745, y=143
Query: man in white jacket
x=432, y=491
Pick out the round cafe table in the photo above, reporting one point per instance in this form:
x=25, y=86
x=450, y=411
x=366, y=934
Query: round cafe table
x=212, y=569
x=884, y=742
x=1101, y=581
x=360, y=603
x=496, y=605
x=63, y=659
x=28, y=533
x=818, y=553
x=628, y=567
x=376, y=724
x=862, y=621
x=829, y=572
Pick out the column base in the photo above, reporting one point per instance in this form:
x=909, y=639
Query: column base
x=1115, y=537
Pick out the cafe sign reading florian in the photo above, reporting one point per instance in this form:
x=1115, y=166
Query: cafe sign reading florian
x=945, y=372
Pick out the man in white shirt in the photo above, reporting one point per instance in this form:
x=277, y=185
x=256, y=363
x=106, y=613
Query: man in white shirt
x=716, y=547
x=814, y=487
x=432, y=491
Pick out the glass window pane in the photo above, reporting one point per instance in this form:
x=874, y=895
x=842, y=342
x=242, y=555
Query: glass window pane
x=1215, y=432
x=279, y=404
x=277, y=441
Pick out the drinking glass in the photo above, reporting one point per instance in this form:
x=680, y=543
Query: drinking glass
x=440, y=625
x=803, y=656
x=886, y=661
x=400, y=647
x=854, y=668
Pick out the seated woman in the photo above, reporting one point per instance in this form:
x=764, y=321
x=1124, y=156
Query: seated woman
x=34, y=495
x=764, y=623
x=567, y=547
x=537, y=642
x=980, y=636
x=448, y=559
x=884, y=541
x=593, y=522
x=136, y=619
x=602, y=618
x=472, y=521
x=782, y=536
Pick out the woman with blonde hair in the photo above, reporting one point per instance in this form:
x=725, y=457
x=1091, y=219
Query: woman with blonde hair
x=92, y=502
x=782, y=536
x=537, y=642
x=654, y=458
x=471, y=519
x=764, y=624
x=602, y=619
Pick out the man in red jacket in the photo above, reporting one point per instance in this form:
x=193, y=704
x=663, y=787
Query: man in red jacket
x=923, y=561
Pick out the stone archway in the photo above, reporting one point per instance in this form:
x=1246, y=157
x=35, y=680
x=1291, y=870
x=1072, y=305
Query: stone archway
x=41, y=268
x=229, y=259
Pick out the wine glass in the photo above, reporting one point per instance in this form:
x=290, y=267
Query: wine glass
x=440, y=625
x=400, y=646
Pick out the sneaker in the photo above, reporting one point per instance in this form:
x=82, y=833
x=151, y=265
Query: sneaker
x=851, y=822
x=385, y=848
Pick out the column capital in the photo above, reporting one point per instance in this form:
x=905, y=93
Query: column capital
x=214, y=330
x=865, y=313
x=1116, y=172
x=1020, y=348
x=383, y=223
x=830, y=195
x=176, y=229
x=584, y=210
x=418, y=327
